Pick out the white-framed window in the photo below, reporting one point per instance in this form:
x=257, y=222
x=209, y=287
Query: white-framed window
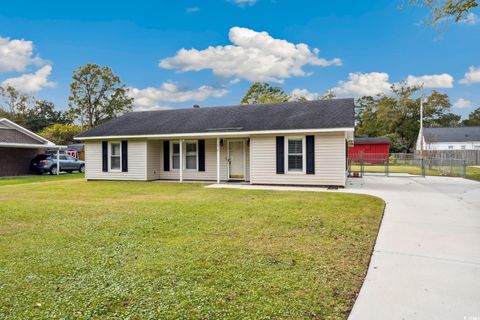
x=191, y=155
x=463, y=147
x=450, y=147
x=175, y=155
x=295, y=154
x=115, y=156
x=476, y=147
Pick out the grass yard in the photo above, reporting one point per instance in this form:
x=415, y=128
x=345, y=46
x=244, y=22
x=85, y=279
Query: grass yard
x=40, y=178
x=396, y=169
x=473, y=173
x=71, y=249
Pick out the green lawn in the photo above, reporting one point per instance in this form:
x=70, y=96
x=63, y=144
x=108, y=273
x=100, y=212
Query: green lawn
x=473, y=173
x=71, y=249
x=396, y=169
x=40, y=178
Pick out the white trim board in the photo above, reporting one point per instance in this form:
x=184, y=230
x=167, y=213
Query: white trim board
x=219, y=134
x=26, y=131
x=30, y=145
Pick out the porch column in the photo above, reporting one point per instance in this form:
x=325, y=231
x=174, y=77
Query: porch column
x=181, y=160
x=58, y=161
x=218, y=160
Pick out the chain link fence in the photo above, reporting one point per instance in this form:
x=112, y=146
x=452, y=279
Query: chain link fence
x=408, y=164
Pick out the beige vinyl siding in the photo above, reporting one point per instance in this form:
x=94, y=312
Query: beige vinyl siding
x=137, y=152
x=154, y=156
x=210, y=172
x=329, y=162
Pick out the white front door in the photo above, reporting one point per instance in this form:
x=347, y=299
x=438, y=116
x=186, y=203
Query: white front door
x=236, y=157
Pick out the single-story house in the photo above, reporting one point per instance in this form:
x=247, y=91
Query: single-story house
x=18, y=146
x=450, y=138
x=369, y=149
x=292, y=143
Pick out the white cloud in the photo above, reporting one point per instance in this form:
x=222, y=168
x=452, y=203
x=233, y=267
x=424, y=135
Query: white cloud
x=244, y=2
x=16, y=55
x=443, y=80
x=32, y=82
x=471, y=76
x=254, y=56
x=471, y=19
x=363, y=84
x=152, y=98
x=296, y=93
x=462, y=104
x=192, y=9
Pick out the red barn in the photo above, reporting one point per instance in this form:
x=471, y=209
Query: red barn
x=369, y=149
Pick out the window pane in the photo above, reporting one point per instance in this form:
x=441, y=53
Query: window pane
x=176, y=162
x=115, y=149
x=191, y=147
x=115, y=163
x=191, y=162
x=176, y=148
x=294, y=146
x=295, y=163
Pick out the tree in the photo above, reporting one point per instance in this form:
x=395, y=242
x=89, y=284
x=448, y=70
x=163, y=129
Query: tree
x=444, y=10
x=262, y=92
x=398, y=116
x=14, y=105
x=97, y=95
x=42, y=115
x=61, y=133
x=448, y=120
x=473, y=118
x=329, y=95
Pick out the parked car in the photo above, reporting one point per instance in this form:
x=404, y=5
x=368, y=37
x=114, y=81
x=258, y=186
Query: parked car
x=48, y=163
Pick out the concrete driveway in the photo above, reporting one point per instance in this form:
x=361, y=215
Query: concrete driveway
x=426, y=261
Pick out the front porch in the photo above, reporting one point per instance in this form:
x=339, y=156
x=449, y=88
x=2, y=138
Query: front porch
x=216, y=159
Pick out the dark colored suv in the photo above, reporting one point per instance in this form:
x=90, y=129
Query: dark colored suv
x=48, y=163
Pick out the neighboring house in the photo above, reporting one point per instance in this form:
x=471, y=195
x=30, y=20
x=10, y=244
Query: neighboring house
x=452, y=138
x=18, y=146
x=369, y=149
x=295, y=143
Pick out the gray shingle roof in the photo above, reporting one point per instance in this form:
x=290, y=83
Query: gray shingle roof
x=368, y=140
x=453, y=134
x=335, y=113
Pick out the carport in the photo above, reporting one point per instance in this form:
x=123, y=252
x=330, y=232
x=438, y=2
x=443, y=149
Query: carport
x=18, y=146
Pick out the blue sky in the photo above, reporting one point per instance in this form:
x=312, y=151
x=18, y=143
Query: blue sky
x=363, y=48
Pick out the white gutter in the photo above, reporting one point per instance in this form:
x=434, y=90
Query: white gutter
x=30, y=145
x=218, y=134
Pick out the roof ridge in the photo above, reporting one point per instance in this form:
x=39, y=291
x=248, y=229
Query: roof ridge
x=246, y=105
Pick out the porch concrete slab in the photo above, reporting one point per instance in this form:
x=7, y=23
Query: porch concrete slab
x=426, y=261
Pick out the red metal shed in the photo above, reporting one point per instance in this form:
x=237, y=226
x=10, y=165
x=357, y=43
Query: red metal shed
x=369, y=149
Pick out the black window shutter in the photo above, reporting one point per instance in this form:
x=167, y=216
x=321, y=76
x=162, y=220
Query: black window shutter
x=310, y=142
x=280, y=155
x=166, y=155
x=124, y=156
x=201, y=155
x=104, y=156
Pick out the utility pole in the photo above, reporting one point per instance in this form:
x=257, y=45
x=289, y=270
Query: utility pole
x=421, y=120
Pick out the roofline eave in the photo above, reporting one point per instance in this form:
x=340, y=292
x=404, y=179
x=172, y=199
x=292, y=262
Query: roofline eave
x=218, y=134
